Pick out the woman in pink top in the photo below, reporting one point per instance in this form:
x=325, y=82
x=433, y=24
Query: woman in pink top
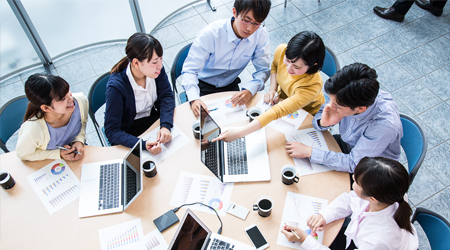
x=380, y=215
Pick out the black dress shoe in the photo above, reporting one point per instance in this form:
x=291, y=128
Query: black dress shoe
x=426, y=5
x=388, y=13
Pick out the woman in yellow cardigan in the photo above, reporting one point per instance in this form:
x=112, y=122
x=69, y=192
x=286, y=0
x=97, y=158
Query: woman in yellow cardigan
x=54, y=118
x=295, y=76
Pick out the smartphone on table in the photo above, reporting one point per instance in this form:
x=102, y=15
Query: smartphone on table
x=256, y=237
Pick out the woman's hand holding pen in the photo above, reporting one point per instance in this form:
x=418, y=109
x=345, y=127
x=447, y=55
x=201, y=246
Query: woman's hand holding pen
x=316, y=222
x=154, y=147
x=271, y=97
x=291, y=233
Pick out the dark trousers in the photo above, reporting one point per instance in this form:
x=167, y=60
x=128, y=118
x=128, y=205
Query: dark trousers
x=402, y=6
x=206, y=88
x=139, y=126
x=341, y=240
x=346, y=150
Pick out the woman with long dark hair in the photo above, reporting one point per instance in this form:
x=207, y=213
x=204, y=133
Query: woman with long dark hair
x=138, y=94
x=380, y=213
x=54, y=118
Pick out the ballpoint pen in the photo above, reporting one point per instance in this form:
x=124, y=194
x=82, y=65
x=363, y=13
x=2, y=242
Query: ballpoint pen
x=63, y=148
x=292, y=231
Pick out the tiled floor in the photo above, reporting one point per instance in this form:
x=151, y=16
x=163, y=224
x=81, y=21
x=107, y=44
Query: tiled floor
x=412, y=59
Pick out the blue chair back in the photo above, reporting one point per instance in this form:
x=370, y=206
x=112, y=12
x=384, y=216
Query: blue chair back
x=11, y=118
x=436, y=227
x=330, y=66
x=175, y=72
x=97, y=97
x=414, y=142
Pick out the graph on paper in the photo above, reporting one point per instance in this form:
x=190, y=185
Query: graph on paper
x=55, y=184
x=297, y=209
x=201, y=188
x=291, y=122
x=155, y=241
x=127, y=235
x=179, y=140
x=234, y=114
x=225, y=112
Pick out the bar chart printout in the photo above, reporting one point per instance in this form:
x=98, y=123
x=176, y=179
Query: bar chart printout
x=124, y=236
x=155, y=241
x=204, y=189
x=55, y=184
x=297, y=209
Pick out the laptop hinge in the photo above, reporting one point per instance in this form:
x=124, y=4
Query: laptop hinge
x=222, y=160
x=207, y=243
x=123, y=187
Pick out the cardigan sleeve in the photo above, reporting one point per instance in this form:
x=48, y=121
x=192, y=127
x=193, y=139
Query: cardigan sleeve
x=84, y=108
x=166, y=98
x=31, y=143
x=115, y=101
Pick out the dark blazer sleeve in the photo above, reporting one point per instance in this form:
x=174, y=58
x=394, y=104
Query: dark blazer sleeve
x=115, y=103
x=166, y=100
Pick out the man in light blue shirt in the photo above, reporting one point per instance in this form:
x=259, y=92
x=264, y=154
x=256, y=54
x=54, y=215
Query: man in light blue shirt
x=369, y=121
x=223, y=49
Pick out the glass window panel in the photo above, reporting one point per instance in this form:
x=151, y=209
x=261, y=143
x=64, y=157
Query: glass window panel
x=64, y=25
x=16, y=50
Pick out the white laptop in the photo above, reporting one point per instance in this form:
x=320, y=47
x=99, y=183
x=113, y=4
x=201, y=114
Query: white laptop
x=111, y=186
x=193, y=234
x=243, y=160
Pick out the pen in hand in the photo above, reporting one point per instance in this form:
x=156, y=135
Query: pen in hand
x=292, y=231
x=63, y=148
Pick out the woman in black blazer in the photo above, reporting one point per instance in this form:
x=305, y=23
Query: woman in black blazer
x=137, y=94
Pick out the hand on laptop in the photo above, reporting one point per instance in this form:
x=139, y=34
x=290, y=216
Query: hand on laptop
x=154, y=147
x=195, y=106
x=242, y=97
x=164, y=135
x=298, y=150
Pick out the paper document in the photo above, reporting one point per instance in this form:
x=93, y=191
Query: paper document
x=224, y=112
x=179, y=140
x=313, y=138
x=55, y=185
x=201, y=188
x=297, y=210
x=262, y=105
x=127, y=235
x=155, y=241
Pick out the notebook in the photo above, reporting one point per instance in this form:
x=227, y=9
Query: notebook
x=243, y=160
x=193, y=234
x=111, y=186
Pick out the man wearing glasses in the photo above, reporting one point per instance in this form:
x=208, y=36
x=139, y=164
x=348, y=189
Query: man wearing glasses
x=222, y=50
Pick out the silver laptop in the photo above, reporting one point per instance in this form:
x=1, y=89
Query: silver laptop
x=111, y=186
x=243, y=160
x=192, y=234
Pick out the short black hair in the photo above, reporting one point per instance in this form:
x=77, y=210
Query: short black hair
x=355, y=85
x=260, y=8
x=309, y=47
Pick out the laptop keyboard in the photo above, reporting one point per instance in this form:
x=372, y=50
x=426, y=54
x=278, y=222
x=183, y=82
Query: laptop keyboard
x=220, y=245
x=211, y=158
x=109, y=186
x=131, y=184
x=237, y=157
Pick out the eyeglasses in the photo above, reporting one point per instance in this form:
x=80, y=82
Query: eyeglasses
x=248, y=23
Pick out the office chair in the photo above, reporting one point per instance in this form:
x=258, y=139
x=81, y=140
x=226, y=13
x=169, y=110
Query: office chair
x=175, y=72
x=414, y=142
x=330, y=66
x=436, y=227
x=11, y=118
x=97, y=97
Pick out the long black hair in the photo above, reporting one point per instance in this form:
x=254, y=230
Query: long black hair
x=42, y=89
x=309, y=47
x=387, y=181
x=140, y=46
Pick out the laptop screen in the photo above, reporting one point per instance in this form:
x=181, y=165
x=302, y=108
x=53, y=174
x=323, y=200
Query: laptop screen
x=132, y=181
x=191, y=233
x=209, y=152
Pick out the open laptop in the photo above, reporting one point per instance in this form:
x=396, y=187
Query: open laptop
x=111, y=186
x=192, y=234
x=243, y=160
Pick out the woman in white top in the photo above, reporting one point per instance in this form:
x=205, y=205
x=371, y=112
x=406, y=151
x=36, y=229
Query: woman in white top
x=380, y=215
x=138, y=93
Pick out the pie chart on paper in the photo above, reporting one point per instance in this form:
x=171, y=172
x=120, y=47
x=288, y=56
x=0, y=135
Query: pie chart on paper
x=58, y=169
x=293, y=115
x=229, y=104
